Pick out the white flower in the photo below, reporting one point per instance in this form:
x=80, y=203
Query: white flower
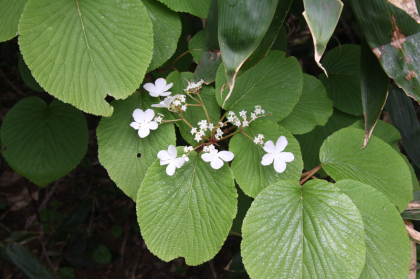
x=221, y=124
x=159, y=88
x=169, y=158
x=231, y=113
x=193, y=130
x=245, y=123
x=253, y=116
x=197, y=136
x=188, y=148
x=257, y=110
x=158, y=119
x=184, y=108
x=185, y=157
x=143, y=122
x=166, y=102
x=231, y=119
x=181, y=98
x=274, y=153
x=203, y=125
x=215, y=158
x=242, y=114
x=219, y=132
x=211, y=126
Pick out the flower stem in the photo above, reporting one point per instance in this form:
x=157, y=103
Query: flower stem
x=309, y=174
x=205, y=110
x=166, y=121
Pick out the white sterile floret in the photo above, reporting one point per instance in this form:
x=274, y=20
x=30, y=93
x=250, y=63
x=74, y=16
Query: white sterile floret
x=274, y=153
x=169, y=158
x=242, y=114
x=166, y=102
x=160, y=88
x=143, y=122
x=216, y=158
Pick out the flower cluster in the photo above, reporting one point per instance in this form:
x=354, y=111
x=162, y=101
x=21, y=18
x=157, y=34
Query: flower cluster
x=232, y=118
x=259, y=139
x=194, y=87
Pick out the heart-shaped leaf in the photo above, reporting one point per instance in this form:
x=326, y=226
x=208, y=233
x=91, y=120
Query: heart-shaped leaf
x=10, y=12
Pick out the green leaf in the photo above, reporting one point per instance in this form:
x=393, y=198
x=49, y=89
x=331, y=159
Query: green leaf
x=375, y=84
x=10, y=12
x=388, y=248
x=80, y=51
x=343, y=82
x=194, y=114
x=322, y=17
x=393, y=37
x=411, y=215
x=403, y=116
x=244, y=202
x=240, y=31
x=250, y=175
x=43, y=143
x=311, y=142
x=122, y=152
x=116, y=231
x=281, y=41
x=197, y=7
x=166, y=32
x=27, y=76
x=28, y=263
x=314, y=231
x=188, y=214
x=102, y=255
x=197, y=45
x=277, y=78
x=314, y=108
x=377, y=164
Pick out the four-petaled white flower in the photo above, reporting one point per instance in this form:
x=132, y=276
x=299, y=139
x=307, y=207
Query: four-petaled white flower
x=216, y=158
x=160, y=88
x=274, y=153
x=143, y=122
x=169, y=158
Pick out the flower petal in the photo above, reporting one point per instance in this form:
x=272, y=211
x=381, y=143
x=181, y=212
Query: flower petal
x=144, y=132
x=286, y=156
x=154, y=94
x=166, y=93
x=206, y=157
x=226, y=156
x=179, y=162
x=216, y=163
x=138, y=115
x=165, y=162
x=152, y=125
x=279, y=165
x=269, y=147
x=170, y=169
x=135, y=125
x=150, y=87
x=267, y=159
x=160, y=84
x=281, y=144
x=164, y=155
x=167, y=87
x=148, y=115
x=172, y=151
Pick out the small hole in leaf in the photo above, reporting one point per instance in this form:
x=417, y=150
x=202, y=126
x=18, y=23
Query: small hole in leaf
x=138, y=155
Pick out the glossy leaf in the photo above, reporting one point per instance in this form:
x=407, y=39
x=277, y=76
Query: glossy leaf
x=386, y=237
x=242, y=26
x=41, y=142
x=343, y=82
x=281, y=41
x=377, y=164
x=166, y=32
x=249, y=173
x=375, y=84
x=188, y=214
x=322, y=17
x=314, y=108
x=393, y=37
x=403, y=116
x=80, y=52
x=311, y=142
x=197, y=45
x=277, y=78
x=197, y=7
x=10, y=12
x=314, y=231
x=125, y=155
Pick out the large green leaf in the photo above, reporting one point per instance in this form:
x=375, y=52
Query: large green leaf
x=314, y=231
x=41, y=142
x=374, y=84
x=242, y=26
x=377, y=164
x=322, y=16
x=311, y=142
x=343, y=81
x=388, y=250
x=166, y=32
x=250, y=175
x=393, y=37
x=82, y=51
x=277, y=78
x=188, y=214
x=403, y=116
x=10, y=12
x=197, y=7
x=122, y=152
x=314, y=108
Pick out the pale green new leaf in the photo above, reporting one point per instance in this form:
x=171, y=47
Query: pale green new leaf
x=197, y=7
x=125, y=155
x=275, y=84
x=250, y=175
x=314, y=231
x=41, y=142
x=314, y=108
x=82, y=51
x=377, y=164
x=386, y=237
x=10, y=12
x=188, y=214
x=166, y=32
